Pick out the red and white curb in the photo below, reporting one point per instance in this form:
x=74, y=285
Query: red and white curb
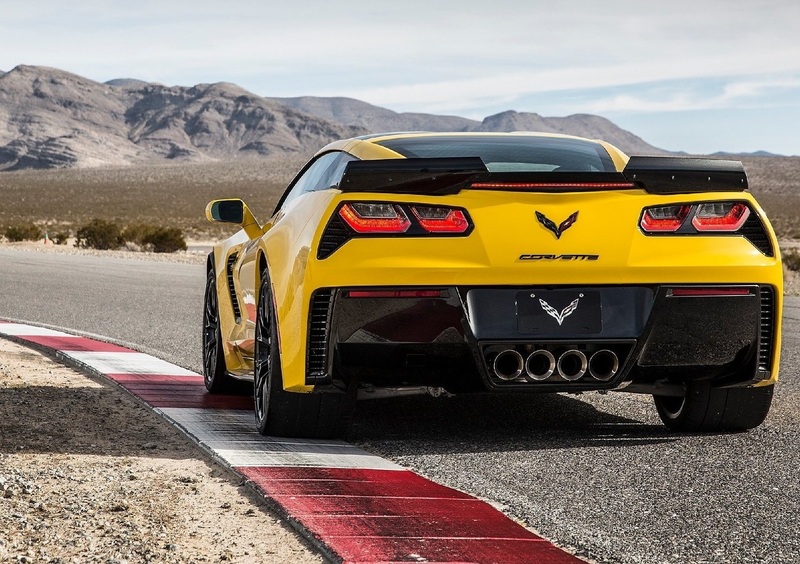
x=354, y=506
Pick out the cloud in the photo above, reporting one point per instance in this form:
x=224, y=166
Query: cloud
x=741, y=94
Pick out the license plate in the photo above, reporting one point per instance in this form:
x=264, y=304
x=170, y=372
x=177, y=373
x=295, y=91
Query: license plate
x=559, y=312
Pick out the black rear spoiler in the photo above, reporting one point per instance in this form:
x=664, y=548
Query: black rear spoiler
x=683, y=175
x=441, y=176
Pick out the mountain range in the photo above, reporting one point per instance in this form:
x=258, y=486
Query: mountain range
x=50, y=118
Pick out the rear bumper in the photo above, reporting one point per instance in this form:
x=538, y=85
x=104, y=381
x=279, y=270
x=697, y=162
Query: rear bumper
x=451, y=337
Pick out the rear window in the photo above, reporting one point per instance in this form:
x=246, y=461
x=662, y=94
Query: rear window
x=512, y=153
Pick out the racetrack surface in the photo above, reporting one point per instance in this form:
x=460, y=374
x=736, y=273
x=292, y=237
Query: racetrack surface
x=598, y=473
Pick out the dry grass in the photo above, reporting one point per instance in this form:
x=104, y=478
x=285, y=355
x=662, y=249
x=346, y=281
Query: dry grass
x=164, y=195
x=175, y=195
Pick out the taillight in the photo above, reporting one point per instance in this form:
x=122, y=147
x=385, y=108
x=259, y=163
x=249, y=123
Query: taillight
x=370, y=217
x=440, y=220
x=664, y=219
x=720, y=216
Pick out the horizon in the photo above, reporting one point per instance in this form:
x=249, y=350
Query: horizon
x=725, y=78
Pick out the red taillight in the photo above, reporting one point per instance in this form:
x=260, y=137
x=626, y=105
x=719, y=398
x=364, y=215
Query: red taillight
x=395, y=294
x=720, y=216
x=664, y=219
x=440, y=220
x=368, y=217
x=706, y=292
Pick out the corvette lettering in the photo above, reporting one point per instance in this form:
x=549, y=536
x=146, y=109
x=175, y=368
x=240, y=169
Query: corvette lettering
x=558, y=257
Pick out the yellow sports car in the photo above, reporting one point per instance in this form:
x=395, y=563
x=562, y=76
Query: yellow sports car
x=509, y=262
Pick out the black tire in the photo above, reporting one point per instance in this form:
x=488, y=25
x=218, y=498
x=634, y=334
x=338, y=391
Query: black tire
x=706, y=409
x=288, y=414
x=215, y=373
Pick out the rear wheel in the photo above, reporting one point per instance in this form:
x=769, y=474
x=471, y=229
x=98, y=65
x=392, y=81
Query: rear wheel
x=215, y=372
x=289, y=414
x=704, y=408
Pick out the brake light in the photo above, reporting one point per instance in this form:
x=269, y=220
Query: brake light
x=440, y=220
x=720, y=216
x=664, y=219
x=370, y=217
x=552, y=185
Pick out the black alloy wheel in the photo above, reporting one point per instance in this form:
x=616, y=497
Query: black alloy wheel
x=316, y=415
x=215, y=373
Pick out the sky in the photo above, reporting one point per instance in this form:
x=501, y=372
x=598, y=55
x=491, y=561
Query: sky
x=697, y=76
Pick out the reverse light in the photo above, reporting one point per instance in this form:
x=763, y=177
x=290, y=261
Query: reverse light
x=720, y=216
x=440, y=220
x=372, y=217
x=664, y=219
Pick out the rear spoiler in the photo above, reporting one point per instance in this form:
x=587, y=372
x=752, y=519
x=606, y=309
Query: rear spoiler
x=683, y=175
x=442, y=176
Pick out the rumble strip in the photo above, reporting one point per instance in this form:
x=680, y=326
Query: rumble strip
x=354, y=506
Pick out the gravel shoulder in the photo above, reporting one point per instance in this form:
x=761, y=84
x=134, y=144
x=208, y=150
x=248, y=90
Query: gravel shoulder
x=87, y=474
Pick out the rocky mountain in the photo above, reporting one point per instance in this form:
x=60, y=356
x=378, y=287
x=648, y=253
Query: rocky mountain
x=51, y=118
x=348, y=111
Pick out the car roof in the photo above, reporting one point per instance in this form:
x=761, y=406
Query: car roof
x=369, y=147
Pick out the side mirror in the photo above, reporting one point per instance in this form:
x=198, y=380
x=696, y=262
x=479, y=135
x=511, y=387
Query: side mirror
x=234, y=211
x=226, y=211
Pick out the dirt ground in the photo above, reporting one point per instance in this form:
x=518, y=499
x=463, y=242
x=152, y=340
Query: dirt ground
x=87, y=474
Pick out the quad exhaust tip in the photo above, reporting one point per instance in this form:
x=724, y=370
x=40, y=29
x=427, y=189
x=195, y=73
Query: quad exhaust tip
x=572, y=365
x=540, y=365
x=508, y=365
x=603, y=365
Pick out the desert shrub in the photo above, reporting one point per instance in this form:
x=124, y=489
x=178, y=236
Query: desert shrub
x=137, y=233
x=165, y=240
x=791, y=258
x=60, y=238
x=99, y=234
x=23, y=232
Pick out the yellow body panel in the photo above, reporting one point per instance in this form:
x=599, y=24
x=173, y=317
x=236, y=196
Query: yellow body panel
x=505, y=229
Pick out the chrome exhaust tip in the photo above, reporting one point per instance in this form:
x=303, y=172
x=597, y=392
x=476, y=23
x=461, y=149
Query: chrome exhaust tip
x=508, y=365
x=572, y=365
x=603, y=365
x=540, y=365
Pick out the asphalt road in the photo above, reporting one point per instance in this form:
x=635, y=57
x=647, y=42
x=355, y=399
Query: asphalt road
x=598, y=474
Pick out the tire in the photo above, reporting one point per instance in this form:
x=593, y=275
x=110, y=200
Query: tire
x=215, y=373
x=706, y=409
x=290, y=414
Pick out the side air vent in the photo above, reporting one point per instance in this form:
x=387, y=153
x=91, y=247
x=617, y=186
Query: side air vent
x=319, y=321
x=767, y=329
x=753, y=230
x=336, y=234
x=237, y=312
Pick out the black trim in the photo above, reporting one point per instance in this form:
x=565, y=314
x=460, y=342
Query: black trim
x=319, y=323
x=237, y=312
x=766, y=336
x=685, y=175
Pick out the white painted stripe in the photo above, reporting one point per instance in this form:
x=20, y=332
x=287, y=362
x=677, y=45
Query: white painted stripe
x=22, y=330
x=232, y=436
x=126, y=363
